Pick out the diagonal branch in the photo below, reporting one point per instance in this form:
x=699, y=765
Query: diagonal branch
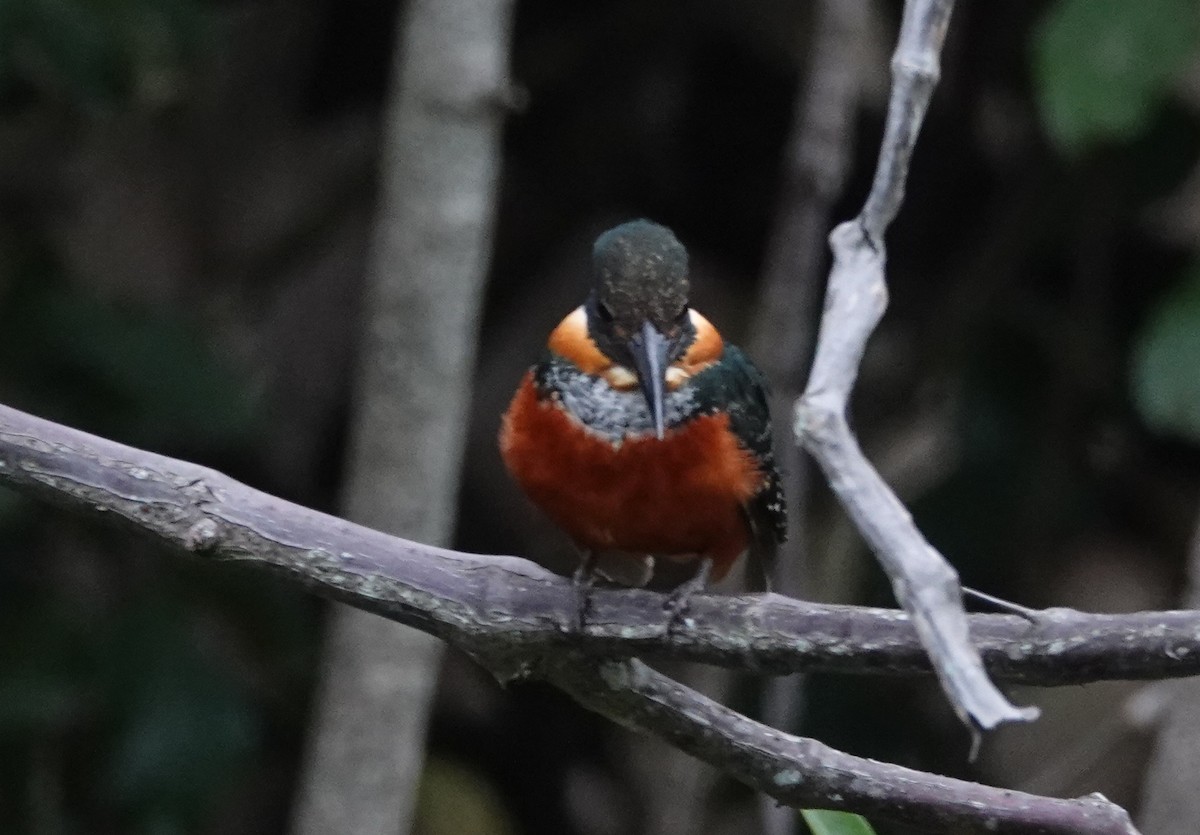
x=510, y=614
x=856, y=297
x=805, y=773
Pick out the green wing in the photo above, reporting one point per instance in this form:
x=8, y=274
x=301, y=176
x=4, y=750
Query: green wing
x=736, y=387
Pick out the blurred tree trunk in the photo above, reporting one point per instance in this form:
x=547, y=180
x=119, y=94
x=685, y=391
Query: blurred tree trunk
x=1170, y=800
x=432, y=243
x=814, y=167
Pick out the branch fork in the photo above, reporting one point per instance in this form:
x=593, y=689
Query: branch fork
x=856, y=298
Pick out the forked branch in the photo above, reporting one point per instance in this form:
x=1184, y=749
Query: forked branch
x=856, y=298
x=512, y=616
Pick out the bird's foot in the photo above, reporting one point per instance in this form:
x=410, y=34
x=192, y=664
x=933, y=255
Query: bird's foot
x=582, y=582
x=681, y=598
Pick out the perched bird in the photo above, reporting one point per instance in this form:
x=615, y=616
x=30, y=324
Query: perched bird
x=641, y=432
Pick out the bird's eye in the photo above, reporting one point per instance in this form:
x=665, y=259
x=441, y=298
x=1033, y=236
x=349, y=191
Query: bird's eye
x=682, y=316
x=605, y=314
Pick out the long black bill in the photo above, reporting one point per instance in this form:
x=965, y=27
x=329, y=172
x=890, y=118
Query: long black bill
x=650, y=356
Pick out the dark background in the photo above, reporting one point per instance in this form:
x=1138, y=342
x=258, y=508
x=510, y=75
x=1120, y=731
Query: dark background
x=186, y=200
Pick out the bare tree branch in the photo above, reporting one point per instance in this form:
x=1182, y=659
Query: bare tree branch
x=856, y=297
x=513, y=617
x=916, y=67
x=805, y=773
x=441, y=162
x=507, y=610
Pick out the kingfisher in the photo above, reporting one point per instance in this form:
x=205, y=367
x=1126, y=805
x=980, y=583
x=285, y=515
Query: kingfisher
x=641, y=432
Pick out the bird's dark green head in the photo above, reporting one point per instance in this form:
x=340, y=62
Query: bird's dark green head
x=640, y=273
x=638, y=308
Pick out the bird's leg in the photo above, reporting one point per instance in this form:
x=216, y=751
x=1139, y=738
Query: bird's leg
x=677, y=604
x=582, y=582
x=766, y=570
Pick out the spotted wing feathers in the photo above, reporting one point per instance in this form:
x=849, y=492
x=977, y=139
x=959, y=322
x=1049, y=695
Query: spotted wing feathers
x=735, y=386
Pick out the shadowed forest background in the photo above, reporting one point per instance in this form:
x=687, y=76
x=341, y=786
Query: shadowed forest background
x=187, y=193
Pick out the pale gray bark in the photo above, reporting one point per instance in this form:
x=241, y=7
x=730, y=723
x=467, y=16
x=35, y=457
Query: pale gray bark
x=440, y=164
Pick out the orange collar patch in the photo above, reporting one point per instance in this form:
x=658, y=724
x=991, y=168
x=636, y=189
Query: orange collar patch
x=571, y=341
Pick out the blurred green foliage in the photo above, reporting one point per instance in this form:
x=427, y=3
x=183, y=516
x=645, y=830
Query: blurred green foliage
x=99, y=53
x=11, y=504
x=129, y=700
x=1166, y=362
x=1102, y=67
x=144, y=375
x=825, y=822
x=136, y=714
x=183, y=729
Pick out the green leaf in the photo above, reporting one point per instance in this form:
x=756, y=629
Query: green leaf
x=454, y=798
x=826, y=822
x=1166, y=362
x=1101, y=67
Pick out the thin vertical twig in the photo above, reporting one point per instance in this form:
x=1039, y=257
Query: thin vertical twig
x=431, y=250
x=856, y=297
